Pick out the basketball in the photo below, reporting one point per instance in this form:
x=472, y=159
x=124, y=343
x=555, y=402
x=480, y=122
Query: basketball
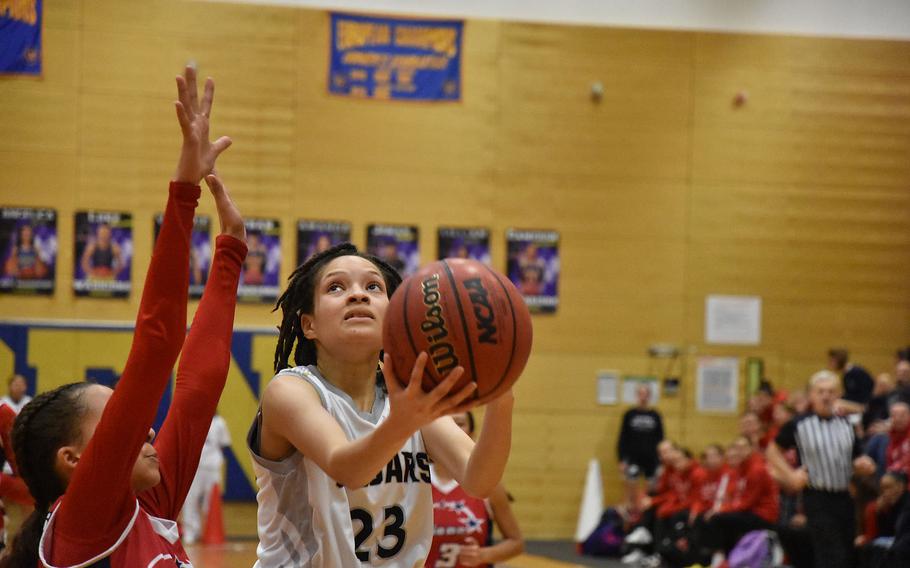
x=461, y=312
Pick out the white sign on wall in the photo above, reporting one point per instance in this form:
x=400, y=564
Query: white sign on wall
x=733, y=320
x=607, y=387
x=717, y=384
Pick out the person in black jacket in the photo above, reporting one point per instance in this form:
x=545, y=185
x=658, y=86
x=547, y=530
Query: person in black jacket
x=642, y=430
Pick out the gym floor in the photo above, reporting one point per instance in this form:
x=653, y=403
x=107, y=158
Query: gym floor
x=240, y=549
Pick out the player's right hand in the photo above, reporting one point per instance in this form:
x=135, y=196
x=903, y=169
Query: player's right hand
x=413, y=408
x=198, y=154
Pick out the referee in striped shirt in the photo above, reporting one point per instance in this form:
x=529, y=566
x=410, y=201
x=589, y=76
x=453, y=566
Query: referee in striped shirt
x=828, y=451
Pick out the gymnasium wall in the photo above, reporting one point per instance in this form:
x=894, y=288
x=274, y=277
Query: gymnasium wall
x=664, y=192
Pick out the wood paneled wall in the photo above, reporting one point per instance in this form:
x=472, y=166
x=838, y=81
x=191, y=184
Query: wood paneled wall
x=664, y=192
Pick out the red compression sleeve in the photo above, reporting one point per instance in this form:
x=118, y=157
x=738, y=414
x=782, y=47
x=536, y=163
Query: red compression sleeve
x=201, y=375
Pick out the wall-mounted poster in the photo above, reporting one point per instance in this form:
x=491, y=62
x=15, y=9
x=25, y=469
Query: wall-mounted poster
x=533, y=267
x=457, y=242
x=397, y=245
x=200, y=252
x=28, y=250
x=317, y=236
x=103, y=254
x=262, y=267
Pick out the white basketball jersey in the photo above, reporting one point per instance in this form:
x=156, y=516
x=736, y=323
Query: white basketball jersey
x=307, y=520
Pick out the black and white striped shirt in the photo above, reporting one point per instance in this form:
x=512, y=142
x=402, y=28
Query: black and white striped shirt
x=826, y=446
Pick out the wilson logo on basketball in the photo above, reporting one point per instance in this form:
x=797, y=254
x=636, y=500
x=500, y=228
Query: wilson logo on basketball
x=441, y=352
x=483, y=311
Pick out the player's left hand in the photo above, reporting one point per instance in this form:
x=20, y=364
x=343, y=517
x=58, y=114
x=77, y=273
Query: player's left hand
x=228, y=215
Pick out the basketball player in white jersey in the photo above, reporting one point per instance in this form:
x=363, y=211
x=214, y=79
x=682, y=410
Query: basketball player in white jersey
x=342, y=452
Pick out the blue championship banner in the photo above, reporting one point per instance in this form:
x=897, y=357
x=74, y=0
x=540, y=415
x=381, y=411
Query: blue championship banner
x=20, y=37
x=387, y=58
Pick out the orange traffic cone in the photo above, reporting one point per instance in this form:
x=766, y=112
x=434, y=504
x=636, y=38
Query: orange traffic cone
x=213, y=531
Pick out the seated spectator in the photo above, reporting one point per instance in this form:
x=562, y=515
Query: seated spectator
x=899, y=553
x=671, y=530
x=762, y=402
x=640, y=539
x=783, y=413
x=875, y=417
x=902, y=380
x=880, y=519
x=750, y=427
x=714, y=465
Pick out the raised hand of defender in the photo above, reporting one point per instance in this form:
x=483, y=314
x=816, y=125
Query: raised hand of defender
x=228, y=215
x=413, y=408
x=198, y=154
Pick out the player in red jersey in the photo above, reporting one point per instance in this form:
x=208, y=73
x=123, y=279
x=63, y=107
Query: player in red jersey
x=110, y=497
x=461, y=523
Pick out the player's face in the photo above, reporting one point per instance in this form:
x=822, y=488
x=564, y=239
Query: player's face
x=25, y=235
x=104, y=235
x=350, y=303
x=17, y=388
x=145, y=471
x=462, y=421
x=644, y=395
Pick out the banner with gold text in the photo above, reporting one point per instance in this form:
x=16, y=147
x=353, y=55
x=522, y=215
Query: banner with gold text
x=395, y=58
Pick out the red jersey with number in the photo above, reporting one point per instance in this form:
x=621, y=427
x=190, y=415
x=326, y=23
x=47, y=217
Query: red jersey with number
x=458, y=520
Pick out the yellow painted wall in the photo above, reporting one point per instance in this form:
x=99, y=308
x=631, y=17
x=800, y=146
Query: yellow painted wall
x=663, y=192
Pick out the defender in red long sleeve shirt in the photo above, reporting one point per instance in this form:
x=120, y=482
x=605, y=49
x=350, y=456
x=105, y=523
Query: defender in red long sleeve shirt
x=85, y=451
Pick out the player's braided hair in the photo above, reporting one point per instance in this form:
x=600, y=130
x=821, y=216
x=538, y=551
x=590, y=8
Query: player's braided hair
x=299, y=296
x=47, y=423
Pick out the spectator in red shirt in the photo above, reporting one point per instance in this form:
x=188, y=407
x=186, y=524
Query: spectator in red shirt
x=714, y=465
x=897, y=457
x=750, y=427
x=671, y=531
x=685, y=486
x=666, y=452
x=763, y=401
